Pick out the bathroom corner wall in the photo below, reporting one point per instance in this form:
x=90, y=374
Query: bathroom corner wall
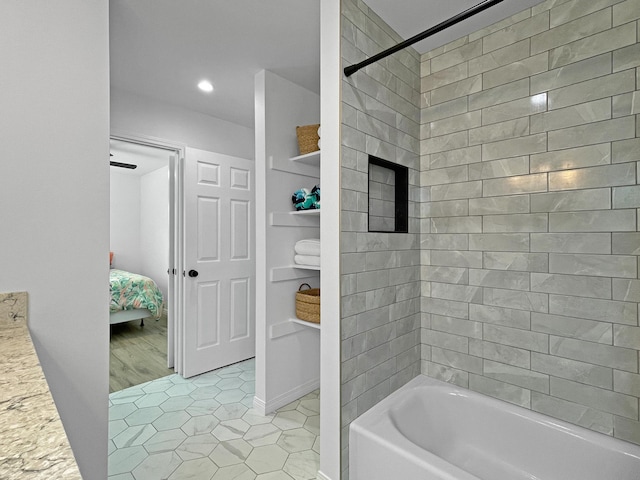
x=530, y=149
x=380, y=272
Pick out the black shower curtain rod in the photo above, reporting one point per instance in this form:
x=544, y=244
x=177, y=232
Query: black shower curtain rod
x=350, y=70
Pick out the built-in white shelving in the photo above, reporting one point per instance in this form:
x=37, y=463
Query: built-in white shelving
x=313, y=211
x=312, y=158
x=305, y=323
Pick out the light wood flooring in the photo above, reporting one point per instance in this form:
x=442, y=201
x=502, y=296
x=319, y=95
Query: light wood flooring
x=138, y=354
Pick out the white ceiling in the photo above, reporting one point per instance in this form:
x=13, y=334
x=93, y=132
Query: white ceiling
x=163, y=48
x=147, y=159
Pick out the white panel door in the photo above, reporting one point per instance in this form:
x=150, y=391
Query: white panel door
x=219, y=261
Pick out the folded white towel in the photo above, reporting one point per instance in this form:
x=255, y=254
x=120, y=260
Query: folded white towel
x=307, y=260
x=309, y=246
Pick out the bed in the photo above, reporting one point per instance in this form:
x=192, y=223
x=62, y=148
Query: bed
x=133, y=297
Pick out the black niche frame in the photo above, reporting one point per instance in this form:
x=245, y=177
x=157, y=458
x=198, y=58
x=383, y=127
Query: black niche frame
x=401, y=194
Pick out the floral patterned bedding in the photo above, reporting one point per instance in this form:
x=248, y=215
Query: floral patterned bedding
x=130, y=291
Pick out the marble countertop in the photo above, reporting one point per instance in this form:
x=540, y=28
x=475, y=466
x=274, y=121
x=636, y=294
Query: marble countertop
x=33, y=443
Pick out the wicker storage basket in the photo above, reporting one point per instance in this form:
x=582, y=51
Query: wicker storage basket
x=308, y=304
x=308, y=138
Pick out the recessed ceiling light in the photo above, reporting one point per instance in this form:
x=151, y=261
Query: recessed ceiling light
x=205, y=86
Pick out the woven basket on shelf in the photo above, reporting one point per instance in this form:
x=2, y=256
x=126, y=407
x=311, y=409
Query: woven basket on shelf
x=308, y=138
x=308, y=304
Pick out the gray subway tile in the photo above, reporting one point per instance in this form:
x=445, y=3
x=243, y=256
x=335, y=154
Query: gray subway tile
x=445, y=307
x=515, y=147
x=501, y=390
x=517, y=357
x=524, y=262
x=456, y=225
x=572, y=412
x=441, y=274
x=626, y=11
x=577, y=285
x=579, y=114
x=443, y=110
x=525, y=222
x=626, y=429
x=625, y=150
x=595, y=309
x=457, y=56
x=625, y=382
x=626, y=58
x=517, y=70
x=456, y=258
x=499, y=131
x=456, y=90
x=513, y=33
x=626, y=243
x=444, y=143
x=455, y=191
x=462, y=156
x=510, y=242
x=499, y=279
x=594, y=199
x=624, y=266
x=443, y=176
x=445, y=241
x=447, y=341
x=579, y=328
x=597, y=132
x=500, y=57
x=464, y=121
x=578, y=157
x=598, y=398
x=571, y=31
x=521, y=107
x=593, y=45
x=626, y=197
x=500, y=94
x=626, y=336
x=585, y=70
x=448, y=374
x=456, y=326
x=626, y=290
x=571, y=242
x=447, y=208
x=573, y=9
x=537, y=342
x=596, y=353
x=592, y=89
x=497, y=205
x=581, y=372
x=601, y=221
x=626, y=104
x=514, y=185
x=457, y=360
x=458, y=293
x=507, y=317
x=516, y=299
x=522, y=377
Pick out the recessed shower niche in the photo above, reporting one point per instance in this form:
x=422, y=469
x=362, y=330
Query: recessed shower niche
x=388, y=196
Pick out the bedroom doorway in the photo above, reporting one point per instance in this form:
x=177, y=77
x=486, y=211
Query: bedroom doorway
x=143, y=233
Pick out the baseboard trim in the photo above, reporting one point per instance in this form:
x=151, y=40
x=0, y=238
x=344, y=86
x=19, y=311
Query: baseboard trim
x=266, y=407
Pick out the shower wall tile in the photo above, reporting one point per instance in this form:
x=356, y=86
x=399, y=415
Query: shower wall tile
x=530, y=276
x=380, y=272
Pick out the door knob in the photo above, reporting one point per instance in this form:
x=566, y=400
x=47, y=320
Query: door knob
x=193, y=273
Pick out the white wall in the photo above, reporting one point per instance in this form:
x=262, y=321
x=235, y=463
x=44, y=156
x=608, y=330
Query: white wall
x=54, y=192
x=125, y=218
x=286, y=365
x=154, y=227
x=142, y=116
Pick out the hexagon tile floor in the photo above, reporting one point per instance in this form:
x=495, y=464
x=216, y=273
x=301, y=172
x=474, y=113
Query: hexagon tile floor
x=204, y=428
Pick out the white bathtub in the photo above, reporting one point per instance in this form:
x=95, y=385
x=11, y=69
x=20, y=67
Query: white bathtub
x=431, y=430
